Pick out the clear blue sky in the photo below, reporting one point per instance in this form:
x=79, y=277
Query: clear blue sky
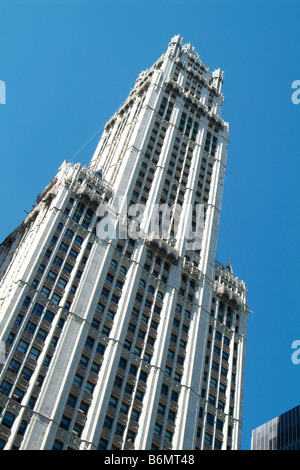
x=69, y=64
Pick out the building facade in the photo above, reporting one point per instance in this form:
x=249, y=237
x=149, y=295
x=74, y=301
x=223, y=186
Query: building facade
x=280, y=433
x=121, y=331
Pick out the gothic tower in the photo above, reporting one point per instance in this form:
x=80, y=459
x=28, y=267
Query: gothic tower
x=121, y=330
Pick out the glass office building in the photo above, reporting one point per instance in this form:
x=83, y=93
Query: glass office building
x=281, y=433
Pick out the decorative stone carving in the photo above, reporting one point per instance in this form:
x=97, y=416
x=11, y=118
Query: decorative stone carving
x=227, y=294
x=163, y=247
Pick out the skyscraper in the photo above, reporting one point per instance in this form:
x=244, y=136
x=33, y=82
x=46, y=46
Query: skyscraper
x=280, y=433
x=121, y=330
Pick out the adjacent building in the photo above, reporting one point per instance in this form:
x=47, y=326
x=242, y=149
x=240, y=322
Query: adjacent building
x=280, y=433
x=121, y=330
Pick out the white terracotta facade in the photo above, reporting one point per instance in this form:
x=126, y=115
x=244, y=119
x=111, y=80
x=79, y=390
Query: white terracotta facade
x=128, y=343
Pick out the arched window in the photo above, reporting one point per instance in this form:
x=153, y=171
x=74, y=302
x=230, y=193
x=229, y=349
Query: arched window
x=123, y=270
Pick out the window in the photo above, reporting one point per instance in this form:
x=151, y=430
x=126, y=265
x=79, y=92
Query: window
x=218, y=335
x=157, y=429
x=139, y=395
x=128, y=389
x=64, y=247
x=45, y=292
x=38, y=309
x=5, y=388
x=89, y=342
x=113, y=402
x=69, y=233
x=79, y=240
x=219, y=425
x=137, y=351
x=78, y=212
x=210, y=419
x=88, y=218
x=41, y=334
x=22, y=346
x=8, y=420
x=77, y=381
x=58, y=261
x=49, y=316
x=77, y=430
x=30, y=327
x=89, y=388
x=56, y=299
x=73, y=253
x=124, y=409
x=100, y=349
x=218, y=444
x=133, y=370
x=95, y=324
x=26, y=373
x=225, y=356
x=221, y=405
x=212, y=400
x=22, y=428
x=119, y=430
x=105, y=292
x=135, y=415
x=102, y=444
x=127, y=345
x=72, y=401
x=213, y=382
x=34, y=353
x=51, y=276
x=143, y=376
x=19, y=320
x=207, y=439
x=47, y=361
x=65, y=423
x=187, y=314
x=15, y=366
x=122, y=363
x=108, y=423
x=57, y=445
x=83, y=407
x=26, y=301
